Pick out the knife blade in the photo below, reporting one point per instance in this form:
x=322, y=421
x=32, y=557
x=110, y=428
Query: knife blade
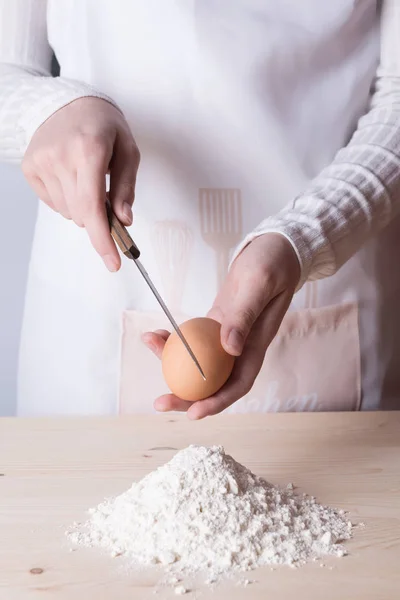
x=128, y=247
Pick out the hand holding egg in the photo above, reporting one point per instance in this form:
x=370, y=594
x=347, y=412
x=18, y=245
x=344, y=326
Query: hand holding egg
x=250, y=307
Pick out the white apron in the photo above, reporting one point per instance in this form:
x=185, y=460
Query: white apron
x=234, y=106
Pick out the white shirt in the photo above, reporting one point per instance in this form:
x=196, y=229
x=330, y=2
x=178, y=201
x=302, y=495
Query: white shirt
x=347, y=203
x=234, y=104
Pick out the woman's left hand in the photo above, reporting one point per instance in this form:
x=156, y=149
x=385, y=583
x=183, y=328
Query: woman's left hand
x=250, y=307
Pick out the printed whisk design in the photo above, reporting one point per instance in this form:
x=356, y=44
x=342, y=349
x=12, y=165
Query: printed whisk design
x=221, y=224
x=173, y=242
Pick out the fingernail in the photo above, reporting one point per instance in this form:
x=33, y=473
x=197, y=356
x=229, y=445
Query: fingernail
x=195, y=417
x=110, y=263
x=127, y=212
x=160, y=406
x=235, y=341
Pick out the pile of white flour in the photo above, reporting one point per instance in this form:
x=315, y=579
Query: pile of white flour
x=205, y=512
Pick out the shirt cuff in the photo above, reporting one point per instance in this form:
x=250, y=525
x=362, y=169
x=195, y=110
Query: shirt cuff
x=296, y=239
x=56, y=93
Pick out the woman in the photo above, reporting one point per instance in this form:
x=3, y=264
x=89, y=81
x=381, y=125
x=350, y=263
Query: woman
x=244, y=112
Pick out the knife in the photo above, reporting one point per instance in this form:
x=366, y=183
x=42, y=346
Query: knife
x=130, y=250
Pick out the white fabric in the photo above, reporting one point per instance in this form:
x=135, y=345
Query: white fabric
x=28, y=95
x=319, y=221
x=358, y=193
x=256, y=96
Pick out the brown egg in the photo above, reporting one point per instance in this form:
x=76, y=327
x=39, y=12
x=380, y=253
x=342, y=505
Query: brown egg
x=181, y=373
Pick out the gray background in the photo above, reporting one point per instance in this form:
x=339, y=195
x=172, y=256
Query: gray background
x=18, y=208
x=18, y=212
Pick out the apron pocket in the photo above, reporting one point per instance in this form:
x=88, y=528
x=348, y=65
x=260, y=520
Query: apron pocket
x=313, y=364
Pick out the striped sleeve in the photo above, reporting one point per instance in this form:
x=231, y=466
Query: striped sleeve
x=358, y=194
x=28, y=93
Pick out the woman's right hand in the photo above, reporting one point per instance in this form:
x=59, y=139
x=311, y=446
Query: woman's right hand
x=66, y=163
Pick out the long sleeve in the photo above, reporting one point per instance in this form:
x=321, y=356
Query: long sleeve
x=359, y=193
x=28, y=93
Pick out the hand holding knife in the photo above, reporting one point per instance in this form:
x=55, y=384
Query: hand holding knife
x=131, y=251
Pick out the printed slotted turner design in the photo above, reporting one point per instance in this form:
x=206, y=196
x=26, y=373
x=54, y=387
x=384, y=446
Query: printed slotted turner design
x=221, y=224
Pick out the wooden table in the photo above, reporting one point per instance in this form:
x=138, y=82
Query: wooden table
x=51, y=471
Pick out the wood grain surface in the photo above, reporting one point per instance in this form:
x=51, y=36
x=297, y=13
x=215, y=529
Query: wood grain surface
x=52, y=471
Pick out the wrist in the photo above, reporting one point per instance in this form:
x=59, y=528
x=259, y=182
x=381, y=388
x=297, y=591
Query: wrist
x=287, y=252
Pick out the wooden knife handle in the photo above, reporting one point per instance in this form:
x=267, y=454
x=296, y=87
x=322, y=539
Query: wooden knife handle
x=121, y=235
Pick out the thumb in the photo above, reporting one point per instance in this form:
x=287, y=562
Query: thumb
x=239, y=317
x=123, y=170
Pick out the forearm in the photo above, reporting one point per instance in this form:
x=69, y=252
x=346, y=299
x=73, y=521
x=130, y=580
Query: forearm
x=359, y=193
x=27, y=100
x=28, y=93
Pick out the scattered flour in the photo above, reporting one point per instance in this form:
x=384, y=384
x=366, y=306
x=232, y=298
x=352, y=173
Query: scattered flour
x=180, y=590
x=204, y=512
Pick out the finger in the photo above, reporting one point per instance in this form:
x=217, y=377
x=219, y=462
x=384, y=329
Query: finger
x=216, y=311
x=249, y=364
x=238, y=385
x=155, y=341
x=34, y=179
x=170, y=402
x=162, y=333
x=248, y=299
x=40, y=190
x=68, y=181
x=91, y=196
x=123, y=169
x=55, y=192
